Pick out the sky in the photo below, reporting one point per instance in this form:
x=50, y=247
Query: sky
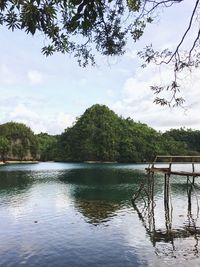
x=49, y=93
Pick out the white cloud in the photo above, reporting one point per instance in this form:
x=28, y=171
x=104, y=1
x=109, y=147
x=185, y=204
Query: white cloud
x=137, y=100
x=64, y=120
x=30, y=111
x=25, y=115
x=131, y=54
x=22, y=112
x=54, y=124
x=77, y=88
x=35, y=77
x=110, y=93
x=7, y=76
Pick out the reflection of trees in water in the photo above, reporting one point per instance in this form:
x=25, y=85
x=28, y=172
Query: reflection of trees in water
x=99, y=193
x=101, y=176
x=14, y=182
x=96, y=211
x=172, y=242
x=14, y=187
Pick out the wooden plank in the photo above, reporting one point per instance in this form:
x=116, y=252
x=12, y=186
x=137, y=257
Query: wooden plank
x=167, y=170
x=160, y=159
x=178, y=156
x=176, y=162
x=186, y=173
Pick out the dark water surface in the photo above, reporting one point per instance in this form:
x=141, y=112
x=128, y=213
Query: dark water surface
x=81, y=215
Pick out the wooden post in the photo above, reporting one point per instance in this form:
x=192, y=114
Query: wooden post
x=152, y=189
x=193, y=165
x=151, y=205
x=187, y=183
x=170, y=165
x=166, y=202
x=189, y=191
x=165, y=182
x=166, y=191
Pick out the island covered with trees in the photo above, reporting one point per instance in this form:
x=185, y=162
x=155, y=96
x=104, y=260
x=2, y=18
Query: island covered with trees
x=17, y=142
x=97, y=135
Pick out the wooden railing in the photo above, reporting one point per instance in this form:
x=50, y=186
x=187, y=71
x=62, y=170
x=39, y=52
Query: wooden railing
x=173, y=160
x=177, y=159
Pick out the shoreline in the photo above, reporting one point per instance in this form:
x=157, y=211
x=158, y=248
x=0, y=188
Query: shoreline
x=8, y=162
x=18, y=162
x=92, y=162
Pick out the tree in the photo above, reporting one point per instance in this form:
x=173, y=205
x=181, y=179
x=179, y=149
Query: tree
x=19, y=151
x=95, y=136
x=188, y=136
x=100, y=135
x=47, y=146
x=4, y=147
x=17, y=141
x=81, y=27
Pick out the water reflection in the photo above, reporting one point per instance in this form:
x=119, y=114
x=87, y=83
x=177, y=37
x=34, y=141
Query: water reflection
x=85, y=218
x=68, y=204
x=13, y=189
x=97, y=212
x=15, y=181
x=99, y=193
x=173, y=235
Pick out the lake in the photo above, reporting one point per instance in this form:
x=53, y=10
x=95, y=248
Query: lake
x=78, y=215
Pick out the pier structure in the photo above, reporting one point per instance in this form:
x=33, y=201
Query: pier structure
x=156, y=166
x=165, y=165
x=144, y=201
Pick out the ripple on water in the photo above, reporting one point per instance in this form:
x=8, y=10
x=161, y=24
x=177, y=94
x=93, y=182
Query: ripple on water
x=81, y=215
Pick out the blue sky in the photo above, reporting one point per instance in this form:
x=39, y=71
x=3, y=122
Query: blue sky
x=48, y=94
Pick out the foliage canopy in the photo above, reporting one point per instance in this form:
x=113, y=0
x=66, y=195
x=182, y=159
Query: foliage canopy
x=47, y=146
x=17, y=141
x=100, y=135
x=81, y=27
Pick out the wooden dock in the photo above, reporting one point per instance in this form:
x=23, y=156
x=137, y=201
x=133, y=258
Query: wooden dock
x=165, y=164
x=145, y=197
x=174, y=160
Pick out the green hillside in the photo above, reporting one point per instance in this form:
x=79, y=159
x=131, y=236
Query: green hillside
x=17, y=142
x=98, y=135
x=101, y=135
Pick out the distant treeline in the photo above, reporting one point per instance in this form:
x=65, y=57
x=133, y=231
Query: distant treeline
x=98, y=135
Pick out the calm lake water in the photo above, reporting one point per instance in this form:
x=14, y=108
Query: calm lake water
x=81, y=215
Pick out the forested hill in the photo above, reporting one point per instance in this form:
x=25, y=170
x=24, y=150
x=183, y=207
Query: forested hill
x=17, y=142
x=98, y=135
x=101, y=135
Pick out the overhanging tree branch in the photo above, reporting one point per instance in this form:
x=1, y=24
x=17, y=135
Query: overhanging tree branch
x=180, y=59
x=84, y=27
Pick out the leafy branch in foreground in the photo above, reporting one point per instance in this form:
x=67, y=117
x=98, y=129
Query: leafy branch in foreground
x=83, y=27
x=181, y=60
